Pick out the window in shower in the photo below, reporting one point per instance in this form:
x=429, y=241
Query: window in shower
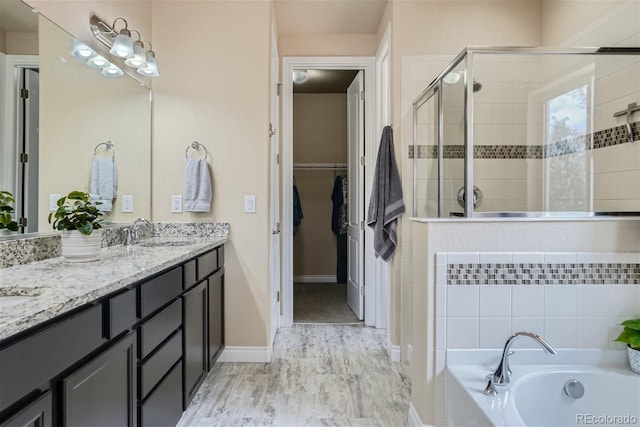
x=566, y=154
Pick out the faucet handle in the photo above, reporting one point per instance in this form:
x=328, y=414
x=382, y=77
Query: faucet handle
x=128, y=238
x=490, y=389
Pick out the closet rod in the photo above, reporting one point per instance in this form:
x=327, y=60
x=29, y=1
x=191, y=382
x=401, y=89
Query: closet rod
x=326, y=166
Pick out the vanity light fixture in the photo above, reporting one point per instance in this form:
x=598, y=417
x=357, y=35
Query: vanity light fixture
x=300, y=76
x=151, y=69
x=98, y=62
x=112, y=71
x=82, y=51
x=122, y=46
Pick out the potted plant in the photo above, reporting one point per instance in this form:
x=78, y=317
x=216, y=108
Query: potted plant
x=77, y=216
x=7, y=224
x=631, y=336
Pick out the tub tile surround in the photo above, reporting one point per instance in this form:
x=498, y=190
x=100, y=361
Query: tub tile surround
x=580, y=306
x=20, y=251
x=59, y=286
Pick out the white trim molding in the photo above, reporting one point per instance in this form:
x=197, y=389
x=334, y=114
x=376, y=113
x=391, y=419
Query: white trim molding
x=410, y=354
x=246, y=354
x=368, y=64
x=327, y=278
x=413, y=417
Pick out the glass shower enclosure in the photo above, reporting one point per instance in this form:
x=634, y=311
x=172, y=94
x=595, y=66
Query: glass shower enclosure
x=529, y=132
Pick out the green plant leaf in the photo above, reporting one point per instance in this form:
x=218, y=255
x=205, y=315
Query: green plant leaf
x=634, y=340
x=632, y=324
x=623, y=337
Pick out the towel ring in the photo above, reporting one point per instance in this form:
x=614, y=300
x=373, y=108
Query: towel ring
x=108, y=146
x=196, y=146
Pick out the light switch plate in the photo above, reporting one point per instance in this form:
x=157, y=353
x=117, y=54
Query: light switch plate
x=127, y=203
x=176, y=204
x=53, y=202
x=250, y=204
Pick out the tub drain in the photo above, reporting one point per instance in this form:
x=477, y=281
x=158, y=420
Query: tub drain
x=574, y=389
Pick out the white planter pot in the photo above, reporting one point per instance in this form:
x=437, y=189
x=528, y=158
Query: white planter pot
x=5, y=232
x=634, y=359
x=77, y=247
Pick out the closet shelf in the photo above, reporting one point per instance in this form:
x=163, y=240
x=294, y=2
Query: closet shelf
x=320, y=166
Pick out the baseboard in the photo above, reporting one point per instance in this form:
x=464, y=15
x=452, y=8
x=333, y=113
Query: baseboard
x=315, y=279
x=246, y=354
x=394, y=352
x=414, y=418
x=410, y=354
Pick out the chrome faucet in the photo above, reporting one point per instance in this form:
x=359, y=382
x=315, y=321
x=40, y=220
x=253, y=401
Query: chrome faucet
x=502, y=375
x=133, y=233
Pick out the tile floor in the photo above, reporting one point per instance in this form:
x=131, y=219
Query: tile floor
x=320, y=375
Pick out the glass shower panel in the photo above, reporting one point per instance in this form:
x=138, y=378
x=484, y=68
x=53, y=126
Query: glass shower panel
x=453, y=119
x=425, y=159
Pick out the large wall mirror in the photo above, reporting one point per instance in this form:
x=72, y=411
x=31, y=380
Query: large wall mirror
x=71, y=110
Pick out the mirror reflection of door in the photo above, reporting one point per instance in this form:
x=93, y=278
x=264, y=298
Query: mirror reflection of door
x=27, y=167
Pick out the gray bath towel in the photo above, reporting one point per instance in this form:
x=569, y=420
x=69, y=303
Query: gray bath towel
x=386, y=204
x=104, y=182
x=197, y=186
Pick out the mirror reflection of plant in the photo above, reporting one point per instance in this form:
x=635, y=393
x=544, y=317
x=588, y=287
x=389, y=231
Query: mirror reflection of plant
x=6, y=210
x=76, y=211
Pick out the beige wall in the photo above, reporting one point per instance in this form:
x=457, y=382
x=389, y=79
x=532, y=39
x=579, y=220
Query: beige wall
x=221, y=100
x=19, y=43
x=563, y=19
x=327, y=44
x=80, y=109
x=319, y=136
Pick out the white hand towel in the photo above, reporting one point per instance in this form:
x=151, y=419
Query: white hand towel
x=104, y=182
x=197, y=186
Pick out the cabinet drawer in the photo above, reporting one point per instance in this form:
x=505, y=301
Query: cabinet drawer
x=207, y=264
x=158, y=291
x=164, y=406
x=121, y=312
x=158, y=364
x=29, y=363
x=189, y=274
x=36, y=414
x=159, y=327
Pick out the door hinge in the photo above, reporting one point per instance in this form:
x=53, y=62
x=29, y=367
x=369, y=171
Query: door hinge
x=24, y=93
x=361, y=95
x=361, y=225
x=361, y=290
x=278, y=296
x=24, y=157
x=278, y=88
x=22, y=222
x=362, y=160
x=278, y=159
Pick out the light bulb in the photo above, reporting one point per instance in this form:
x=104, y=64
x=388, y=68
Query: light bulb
x=123, y=45
x=138, y=60
x=151, y=70
x=98, y=62
x=112, y=71
x=300, y=76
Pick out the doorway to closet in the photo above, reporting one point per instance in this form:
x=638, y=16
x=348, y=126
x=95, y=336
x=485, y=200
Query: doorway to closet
x=327, y=124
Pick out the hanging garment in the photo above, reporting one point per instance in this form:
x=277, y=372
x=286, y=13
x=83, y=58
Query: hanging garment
x=339, y=217
x=297, y=208
x=386, y=204
x=104, y=182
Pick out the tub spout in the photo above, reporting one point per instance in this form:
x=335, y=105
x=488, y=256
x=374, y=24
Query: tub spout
x=502, y=374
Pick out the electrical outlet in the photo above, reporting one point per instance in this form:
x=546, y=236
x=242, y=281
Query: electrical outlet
x=53, y=202
x=176, y=204
x=250, y=204
x=127, y=203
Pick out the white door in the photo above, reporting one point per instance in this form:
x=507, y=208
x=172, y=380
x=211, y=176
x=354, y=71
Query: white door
x=274, y=194
x=30, y=120
x=355, y=140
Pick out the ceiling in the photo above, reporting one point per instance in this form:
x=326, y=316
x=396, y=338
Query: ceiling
x=328, y=16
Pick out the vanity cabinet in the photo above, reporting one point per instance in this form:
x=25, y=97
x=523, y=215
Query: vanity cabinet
x=135, y=357
x=36, y=414
x=102, y=392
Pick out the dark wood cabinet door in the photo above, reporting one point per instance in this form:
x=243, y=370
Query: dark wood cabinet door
x=36, y=414
x=103, y=392
x=216, y=317
x=194, y=333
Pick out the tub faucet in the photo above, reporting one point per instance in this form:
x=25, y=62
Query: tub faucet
x=502, y=375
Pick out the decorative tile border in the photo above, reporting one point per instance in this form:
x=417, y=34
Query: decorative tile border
x=543, y=274
x=601, y=139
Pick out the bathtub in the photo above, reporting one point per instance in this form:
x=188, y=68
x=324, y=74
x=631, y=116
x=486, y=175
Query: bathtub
x=536, y=394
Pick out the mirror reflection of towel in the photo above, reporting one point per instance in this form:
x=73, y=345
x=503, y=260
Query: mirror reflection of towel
x=197, y=186
x=104, y=182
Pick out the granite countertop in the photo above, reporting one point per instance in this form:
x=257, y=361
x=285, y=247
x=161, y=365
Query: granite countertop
x=58, y=286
